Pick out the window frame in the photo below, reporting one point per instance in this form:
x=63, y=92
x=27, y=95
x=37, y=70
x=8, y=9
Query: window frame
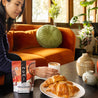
x=27, y=15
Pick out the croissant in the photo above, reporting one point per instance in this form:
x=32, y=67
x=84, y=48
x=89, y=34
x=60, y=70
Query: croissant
x=53, y=79
x=64, y=89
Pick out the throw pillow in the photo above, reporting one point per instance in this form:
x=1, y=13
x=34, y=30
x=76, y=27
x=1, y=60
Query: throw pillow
x=49, y=36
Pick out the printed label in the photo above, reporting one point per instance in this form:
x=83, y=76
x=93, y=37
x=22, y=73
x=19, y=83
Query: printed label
x=23, y=71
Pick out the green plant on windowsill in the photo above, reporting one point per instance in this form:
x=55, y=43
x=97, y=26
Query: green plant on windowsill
x=85, y=34
x=87, y=4
x=54, y=10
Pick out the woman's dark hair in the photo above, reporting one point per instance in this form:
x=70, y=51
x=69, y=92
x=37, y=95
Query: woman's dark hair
x=3, y=16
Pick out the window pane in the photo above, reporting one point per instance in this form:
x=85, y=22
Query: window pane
x=91, y=13
x=97, y=14
x=62, y=17
x=78, y=9
x=19, y=19
x=40, y=10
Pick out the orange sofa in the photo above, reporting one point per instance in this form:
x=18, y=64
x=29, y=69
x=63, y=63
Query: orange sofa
x=22, y=41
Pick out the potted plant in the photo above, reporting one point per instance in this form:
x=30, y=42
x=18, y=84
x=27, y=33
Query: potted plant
x=85, y=34
x=85, y=37
x=87, y=4
x=54, y=10
x=87, y=22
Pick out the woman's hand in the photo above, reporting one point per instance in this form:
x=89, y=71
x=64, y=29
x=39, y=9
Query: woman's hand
x=45, y=72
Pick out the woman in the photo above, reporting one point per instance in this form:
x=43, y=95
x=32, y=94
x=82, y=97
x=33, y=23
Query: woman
x=9, y=10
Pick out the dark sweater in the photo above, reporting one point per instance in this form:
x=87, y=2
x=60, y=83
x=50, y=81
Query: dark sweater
x=5, y=63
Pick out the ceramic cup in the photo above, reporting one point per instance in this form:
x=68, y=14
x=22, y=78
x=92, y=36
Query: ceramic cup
x=54, y=65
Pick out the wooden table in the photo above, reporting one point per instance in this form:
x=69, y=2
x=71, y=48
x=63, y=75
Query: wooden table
x=69, y=71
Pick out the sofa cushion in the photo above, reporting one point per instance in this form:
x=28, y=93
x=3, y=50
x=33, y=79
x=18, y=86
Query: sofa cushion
x=49, y=36
x=40, y=61
x=25, y=39
x=52, y=54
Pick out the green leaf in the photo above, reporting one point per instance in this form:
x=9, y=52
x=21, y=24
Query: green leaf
x=86, y=23
x=86, y=3
x=94, y=8
x=73, y=20
x=54, y=11
x=53, y=1
x=81, y=14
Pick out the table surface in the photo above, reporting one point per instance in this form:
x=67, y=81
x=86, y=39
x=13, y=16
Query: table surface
x=69, y=71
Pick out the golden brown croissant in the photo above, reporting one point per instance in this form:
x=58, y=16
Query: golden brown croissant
x=53, y=79
x=64, y=89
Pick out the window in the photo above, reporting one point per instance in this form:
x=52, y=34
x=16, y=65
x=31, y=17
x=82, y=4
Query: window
x=97, y=14
x=37, y=12
x=62, y=17
x=19, y=19
x=40, y=10
x=77, y=10
x=91, y=13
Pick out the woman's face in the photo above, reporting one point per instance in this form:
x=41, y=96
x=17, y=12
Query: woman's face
x=13, y=8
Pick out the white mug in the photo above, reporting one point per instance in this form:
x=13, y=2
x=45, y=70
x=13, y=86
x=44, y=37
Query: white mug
x=54, y=65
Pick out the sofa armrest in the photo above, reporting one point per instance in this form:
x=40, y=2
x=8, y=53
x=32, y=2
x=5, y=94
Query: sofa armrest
x=68, y=38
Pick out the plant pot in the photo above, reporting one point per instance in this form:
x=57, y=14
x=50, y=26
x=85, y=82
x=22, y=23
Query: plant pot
x=78, y=52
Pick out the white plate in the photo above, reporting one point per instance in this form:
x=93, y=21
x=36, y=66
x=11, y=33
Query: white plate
x=77, y=95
